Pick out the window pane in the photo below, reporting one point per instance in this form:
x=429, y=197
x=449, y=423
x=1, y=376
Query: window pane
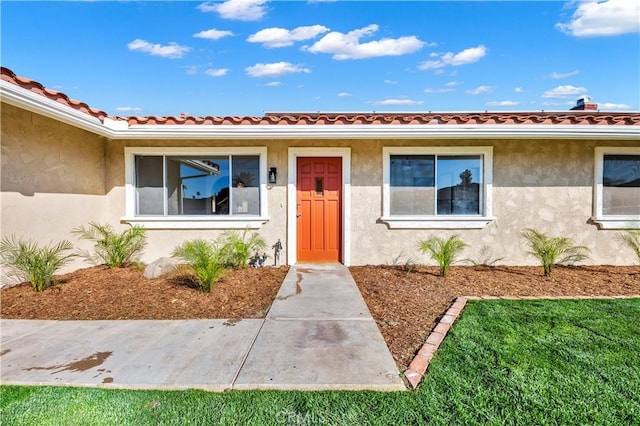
x=621, y=185
x=245, y=194
x=412, y=179
x=459, y=181
x=198, y=185
x=149, y=187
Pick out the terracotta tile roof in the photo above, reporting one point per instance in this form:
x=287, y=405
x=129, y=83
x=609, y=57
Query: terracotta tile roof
x=33, y=86
x=586, y=117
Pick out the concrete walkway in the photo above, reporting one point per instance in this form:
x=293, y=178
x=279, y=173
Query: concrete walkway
x=317, y=335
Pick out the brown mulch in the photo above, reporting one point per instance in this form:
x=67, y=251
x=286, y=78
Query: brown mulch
x=100, y=293
x=406, y=304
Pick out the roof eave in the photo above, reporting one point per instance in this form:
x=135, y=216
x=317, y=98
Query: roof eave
x=34, y=102
x=113, y=129
x=371, y=131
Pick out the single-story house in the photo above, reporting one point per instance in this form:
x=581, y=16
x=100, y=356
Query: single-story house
x=355, y=188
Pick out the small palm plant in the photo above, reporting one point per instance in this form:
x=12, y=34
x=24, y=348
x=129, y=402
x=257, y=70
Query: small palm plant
x=443, y=251
x=632, y=239
x=552, y=251
x=236, y=248
x=30, y=262
x=114, y=249
x=203, y=260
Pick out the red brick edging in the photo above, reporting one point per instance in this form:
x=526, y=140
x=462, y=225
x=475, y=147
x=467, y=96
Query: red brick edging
x=420, y=363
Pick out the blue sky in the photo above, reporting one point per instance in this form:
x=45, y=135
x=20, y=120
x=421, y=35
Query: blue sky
x=248, y=57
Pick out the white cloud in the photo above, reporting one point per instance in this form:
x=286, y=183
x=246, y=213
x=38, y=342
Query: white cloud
x=276, y=69
x=343, y=95
x=559, y=75
x=610, y=18
x=518, y=90
x=467, y=56
x=219, y=72
x=452, y=84
x=171, y=50
x=281, y=37
x=564, y=91
x=480, y=90
x=273, y=84
x=502, y=103
x=243, y=10
x=213, y=34
x=608, y=105
x=396, y=102
x=191, y=69
x=439, y=90
x=128, y=109
x=390, y=82
x=566, y=103
x=347, y=46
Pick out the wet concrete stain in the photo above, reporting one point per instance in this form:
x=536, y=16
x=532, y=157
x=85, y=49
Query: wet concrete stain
x=298, y=285
x=330, y=334
x=5, y=351
x=84, y=364
x=231, y=322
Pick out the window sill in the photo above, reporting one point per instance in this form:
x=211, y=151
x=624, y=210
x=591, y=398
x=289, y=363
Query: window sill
x=455, y=222
x=617, y=222
x=196, y=222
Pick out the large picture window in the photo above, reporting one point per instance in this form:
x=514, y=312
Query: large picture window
x=437, y=187
x=179, y=185
x=617, y=194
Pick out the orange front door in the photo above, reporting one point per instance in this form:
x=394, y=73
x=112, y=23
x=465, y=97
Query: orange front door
x=319, y=209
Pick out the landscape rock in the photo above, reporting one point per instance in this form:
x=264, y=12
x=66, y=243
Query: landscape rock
x=160, y=267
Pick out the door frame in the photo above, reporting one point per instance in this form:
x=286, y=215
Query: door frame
x=292, y=237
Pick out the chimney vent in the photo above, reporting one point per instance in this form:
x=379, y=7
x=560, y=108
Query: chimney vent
x=583, y=104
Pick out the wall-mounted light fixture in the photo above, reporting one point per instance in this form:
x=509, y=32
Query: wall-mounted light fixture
x=273, y=175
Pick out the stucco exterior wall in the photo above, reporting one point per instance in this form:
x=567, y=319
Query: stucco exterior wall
x=52, y=178
x=56, y=177
x=543, y=184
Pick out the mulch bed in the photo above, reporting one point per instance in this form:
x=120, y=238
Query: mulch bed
x=100, y=293
x=406, y=303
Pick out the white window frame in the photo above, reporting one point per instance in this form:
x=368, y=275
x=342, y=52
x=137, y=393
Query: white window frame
x=192, y=221
x=610, y=221
x=439, y=221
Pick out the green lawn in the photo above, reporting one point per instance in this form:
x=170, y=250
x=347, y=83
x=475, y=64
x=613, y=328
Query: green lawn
x=504, y=362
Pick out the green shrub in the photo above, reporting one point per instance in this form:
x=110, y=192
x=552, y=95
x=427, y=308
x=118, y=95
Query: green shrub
x=632, y=239
x=114, y=249
x=30, y=262
x=204, y=262
x=443, y=251
x=236, y=248
x=553, y=250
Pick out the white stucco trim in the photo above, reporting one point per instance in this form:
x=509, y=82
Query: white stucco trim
x=292, y=238
x=372, y=131
x=442, y=221
x=610, y=221
x=193, y=222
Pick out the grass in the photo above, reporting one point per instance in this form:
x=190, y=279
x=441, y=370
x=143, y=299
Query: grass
x=504, y=362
